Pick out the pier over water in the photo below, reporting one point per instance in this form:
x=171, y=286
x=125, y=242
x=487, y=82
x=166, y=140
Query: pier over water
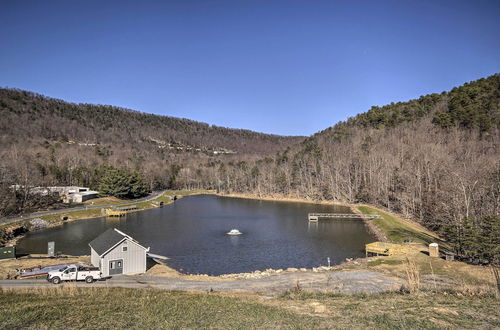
x=314, y=217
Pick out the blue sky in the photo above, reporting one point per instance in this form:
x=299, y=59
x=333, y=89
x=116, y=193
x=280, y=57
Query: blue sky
x=285, y=67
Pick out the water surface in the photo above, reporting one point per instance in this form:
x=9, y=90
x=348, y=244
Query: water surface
x=192, y=232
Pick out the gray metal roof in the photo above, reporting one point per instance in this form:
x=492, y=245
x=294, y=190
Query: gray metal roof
x=107, y=240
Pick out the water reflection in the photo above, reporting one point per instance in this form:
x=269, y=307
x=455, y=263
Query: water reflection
x=312, y=227
x=234, y=240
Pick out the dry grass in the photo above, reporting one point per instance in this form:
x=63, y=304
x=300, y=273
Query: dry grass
x=425, y=310
x=140, y=309
x=115, y=308
x=412, y=276
x=456, y=271
x=104, y=201
x=496, y=275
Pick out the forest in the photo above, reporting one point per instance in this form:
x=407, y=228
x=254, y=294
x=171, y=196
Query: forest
x=433, y=159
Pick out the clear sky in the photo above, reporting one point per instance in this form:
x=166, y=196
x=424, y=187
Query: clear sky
x=285, y=67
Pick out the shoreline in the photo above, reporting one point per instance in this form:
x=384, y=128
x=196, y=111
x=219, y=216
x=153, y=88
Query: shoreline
x=169, y=271
x=371, y=227
x=280, y=198
x=53, y=224
x=162, y=269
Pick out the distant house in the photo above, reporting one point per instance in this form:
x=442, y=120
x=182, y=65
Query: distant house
x=75, y=194
x=115, y=252
x=68, y=194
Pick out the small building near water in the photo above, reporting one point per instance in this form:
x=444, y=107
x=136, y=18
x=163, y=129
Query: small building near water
x=115, y=252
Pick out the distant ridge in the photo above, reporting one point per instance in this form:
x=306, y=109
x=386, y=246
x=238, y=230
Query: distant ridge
x=44, y=118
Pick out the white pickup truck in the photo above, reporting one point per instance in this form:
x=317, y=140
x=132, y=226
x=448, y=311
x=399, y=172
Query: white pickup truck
x=74, y=273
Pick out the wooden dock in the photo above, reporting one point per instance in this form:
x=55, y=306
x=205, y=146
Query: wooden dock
x=119, y=211
x=114, y=213
x=314, y=217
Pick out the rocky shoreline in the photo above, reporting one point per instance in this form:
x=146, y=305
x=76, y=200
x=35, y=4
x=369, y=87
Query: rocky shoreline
x=271, y=272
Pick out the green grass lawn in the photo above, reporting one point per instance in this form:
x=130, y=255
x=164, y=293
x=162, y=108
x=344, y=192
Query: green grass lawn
x=396, y=229
x=115, y=308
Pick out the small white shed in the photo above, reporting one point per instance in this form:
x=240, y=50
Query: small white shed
x=115, y=252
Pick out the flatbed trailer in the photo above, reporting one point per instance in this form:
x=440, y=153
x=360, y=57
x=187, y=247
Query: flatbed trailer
x=39, y=271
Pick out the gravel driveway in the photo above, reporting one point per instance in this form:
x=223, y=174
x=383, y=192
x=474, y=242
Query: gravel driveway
x=350, y=282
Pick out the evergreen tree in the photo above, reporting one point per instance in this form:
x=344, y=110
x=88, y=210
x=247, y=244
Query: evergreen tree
x=122, y=183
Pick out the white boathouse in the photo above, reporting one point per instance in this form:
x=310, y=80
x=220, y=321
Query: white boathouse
x=115, y=252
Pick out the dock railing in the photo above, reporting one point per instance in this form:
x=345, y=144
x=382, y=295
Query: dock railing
x=316, y=216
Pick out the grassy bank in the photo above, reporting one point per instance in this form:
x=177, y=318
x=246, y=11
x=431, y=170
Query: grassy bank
x=132, y=308
x=397, y=229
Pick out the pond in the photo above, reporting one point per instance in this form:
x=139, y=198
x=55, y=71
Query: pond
x=192, y=232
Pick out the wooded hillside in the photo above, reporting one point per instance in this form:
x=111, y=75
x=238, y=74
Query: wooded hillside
x=36, y=118
x=434, y=159
x=46, y=142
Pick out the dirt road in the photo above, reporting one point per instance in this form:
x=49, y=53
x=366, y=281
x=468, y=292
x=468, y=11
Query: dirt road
x=350, y=282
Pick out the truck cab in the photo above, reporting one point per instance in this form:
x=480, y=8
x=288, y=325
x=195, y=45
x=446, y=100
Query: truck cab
x=69, y=273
